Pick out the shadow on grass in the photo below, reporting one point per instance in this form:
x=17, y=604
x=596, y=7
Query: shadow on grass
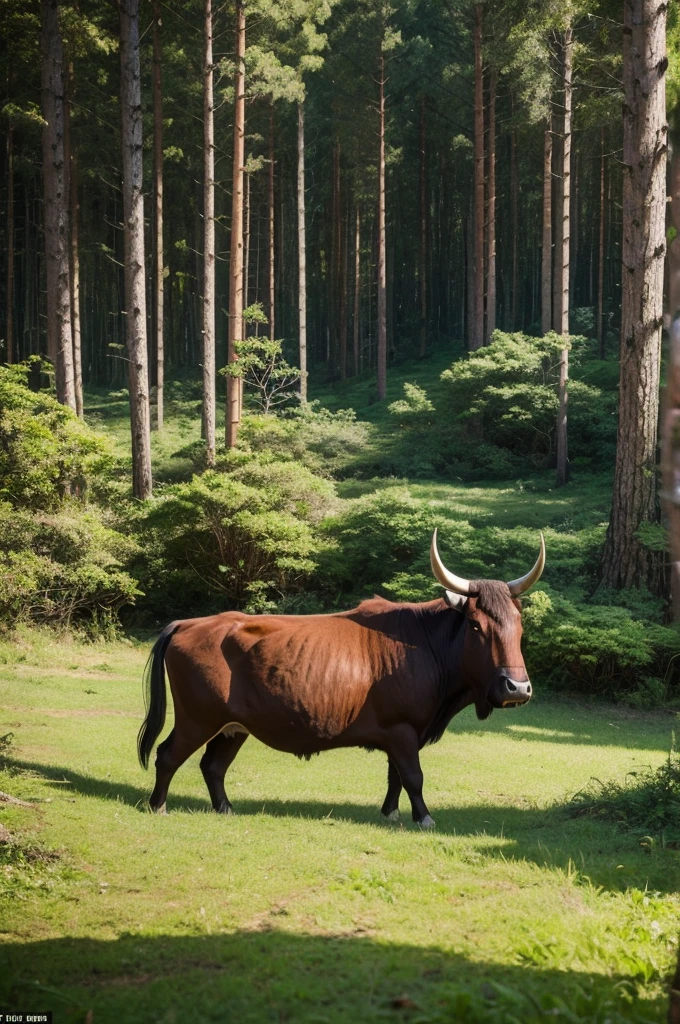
x=546, y=837
x=268, y=974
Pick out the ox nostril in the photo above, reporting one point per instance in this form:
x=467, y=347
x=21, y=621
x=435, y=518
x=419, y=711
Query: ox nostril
x=509, y=685
x=528, y=687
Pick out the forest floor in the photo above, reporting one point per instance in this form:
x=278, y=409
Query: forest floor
x=307, y=906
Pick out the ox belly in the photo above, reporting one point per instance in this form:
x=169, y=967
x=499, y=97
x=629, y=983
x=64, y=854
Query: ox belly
x=308, y=685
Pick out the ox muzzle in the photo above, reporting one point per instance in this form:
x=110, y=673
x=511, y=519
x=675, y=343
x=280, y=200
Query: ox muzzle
x=509, y=692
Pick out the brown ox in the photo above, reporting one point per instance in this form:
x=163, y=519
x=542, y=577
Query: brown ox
x=383, y=676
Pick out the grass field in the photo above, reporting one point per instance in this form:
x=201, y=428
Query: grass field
x=306, y=906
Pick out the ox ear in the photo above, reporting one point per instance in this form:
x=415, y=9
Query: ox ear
x=455, y=601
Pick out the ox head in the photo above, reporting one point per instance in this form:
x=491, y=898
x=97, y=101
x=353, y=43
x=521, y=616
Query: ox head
x=492, y=658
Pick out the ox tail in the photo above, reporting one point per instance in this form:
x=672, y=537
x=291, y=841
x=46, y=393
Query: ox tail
x=154, y=695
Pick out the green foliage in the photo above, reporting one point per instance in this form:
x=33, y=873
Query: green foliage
x=45, y=450
x=415, y=403
x=60, y=559
x=599, y=649
x=63, y=567
x=505, y=395
x=648, y=801
x=324, y=442
x=234, y=539
x=260, y=365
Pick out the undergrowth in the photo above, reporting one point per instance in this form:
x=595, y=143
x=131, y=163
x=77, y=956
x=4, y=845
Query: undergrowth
x=648, y=800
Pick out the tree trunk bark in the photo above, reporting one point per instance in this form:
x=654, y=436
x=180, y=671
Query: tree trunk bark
x=133, y=232
x=357, y=292
x=422, y=267
x=246, y=243
x=271, y=231
x=159, y=269
x=546, y=254
x=59, y=337
x=343, y=297
x=491, y=216
x=74, y=218
x=9, y=352
x=477, y=321
x=627, y=562
x=302, y=252
x=514, y=205
x=600, y=258
x=382, y=275
x=234, y=385
x=562, y=475
x=208, y=238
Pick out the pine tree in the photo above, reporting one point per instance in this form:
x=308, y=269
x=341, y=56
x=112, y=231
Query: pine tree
x=133, y=231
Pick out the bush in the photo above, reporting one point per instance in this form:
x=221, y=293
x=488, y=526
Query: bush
x=649, y=801
x=232, y=540
x=64, y=567
x=600, y=650
x=326, y=443
x=505, y=395
x=46, y=452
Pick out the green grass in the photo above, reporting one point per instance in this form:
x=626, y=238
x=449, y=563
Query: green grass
x=306, y=906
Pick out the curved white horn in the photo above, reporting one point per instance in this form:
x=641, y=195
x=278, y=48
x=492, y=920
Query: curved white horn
x=519, y=586
x=447, y=579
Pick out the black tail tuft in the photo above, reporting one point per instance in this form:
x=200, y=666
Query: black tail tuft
x=154, y=695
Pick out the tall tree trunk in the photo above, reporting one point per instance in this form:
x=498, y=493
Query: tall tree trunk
x=59, y=337
x=343, y=297
x=600, y=258
x=422, y=265
x=491, y=216
x=627, y=562
x=477, y=320
x=9, y=331
x=235, y=334
x=302, y=252
x=382, y=274
x=208, y=354
x=334, y=304
x=246, y=244
x=546, y=254
x=133, y=232
x=159, y=254
x=74, y=219
x=271, y=225
x=514, y=214
x=357, y=291
x=561, y=440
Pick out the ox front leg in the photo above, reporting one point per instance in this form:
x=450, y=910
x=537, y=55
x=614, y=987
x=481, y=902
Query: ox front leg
x=403, y=752
x=390, y=807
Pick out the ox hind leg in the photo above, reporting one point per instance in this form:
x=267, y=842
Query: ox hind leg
x=390, y=807
x=182, y=742
x=219, y=754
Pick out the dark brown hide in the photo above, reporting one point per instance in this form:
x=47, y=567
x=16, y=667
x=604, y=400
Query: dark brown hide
x=383, y=675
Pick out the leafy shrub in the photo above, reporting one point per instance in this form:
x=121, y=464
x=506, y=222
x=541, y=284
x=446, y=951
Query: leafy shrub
x=326, y=443
x=63, y=567
x=505, y=395
x=45, y=450
x=599, y=650
x=648, y=801
x=234, y=539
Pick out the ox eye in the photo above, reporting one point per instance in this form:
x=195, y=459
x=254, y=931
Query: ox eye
x=476, y=626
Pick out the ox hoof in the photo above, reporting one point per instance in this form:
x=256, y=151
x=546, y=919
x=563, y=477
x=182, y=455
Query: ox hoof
x=158, y=810
x=393, y=815
x=426, y=823
x=225, y=809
